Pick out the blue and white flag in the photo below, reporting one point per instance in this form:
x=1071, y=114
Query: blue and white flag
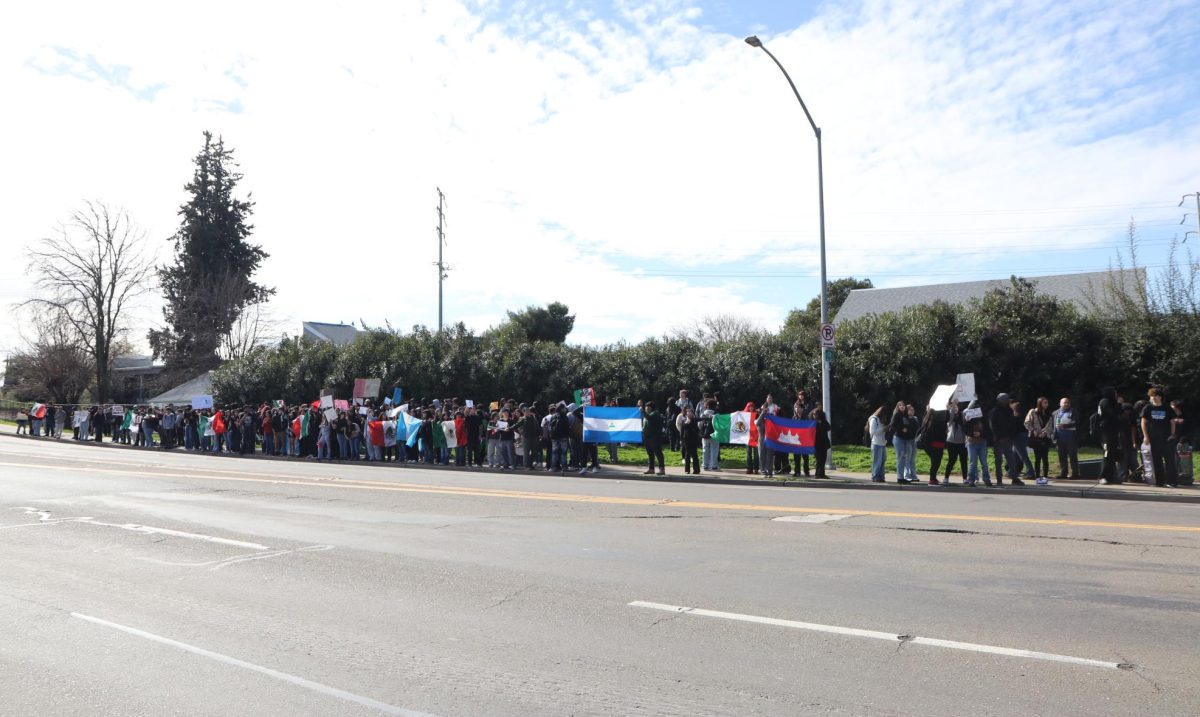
x=612, y=424
x=411, y=424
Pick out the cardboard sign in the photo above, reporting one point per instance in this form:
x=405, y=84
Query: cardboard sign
x=327, y=400
x=202, y=401
x=341, y=404
x=363, y=411
x=120, y=410
x=972, y=413
x=397, y=395
x=331, y=414
x=941, y=397
x=366, y=387
x=501, y=425
x=387, y=401
x=966, y=388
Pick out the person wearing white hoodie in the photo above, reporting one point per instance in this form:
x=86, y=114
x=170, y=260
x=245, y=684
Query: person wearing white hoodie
x=711, y=460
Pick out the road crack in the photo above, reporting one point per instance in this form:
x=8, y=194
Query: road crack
x=508, y=598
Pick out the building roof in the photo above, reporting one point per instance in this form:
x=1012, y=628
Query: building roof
x=135, y=364
x=1075, y=288
x=337, y=334
x=184, y=392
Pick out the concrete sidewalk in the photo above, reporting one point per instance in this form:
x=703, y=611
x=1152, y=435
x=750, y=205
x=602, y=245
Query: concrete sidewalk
x=837, y=479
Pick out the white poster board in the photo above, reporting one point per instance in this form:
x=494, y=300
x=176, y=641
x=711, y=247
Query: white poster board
x=327, y=400
x=202, y=402
x=502, y=425
x=972, y=413
x=118, y=410
x=331, y=414
x=941, y=397
x=470, y=403
x=966, y=388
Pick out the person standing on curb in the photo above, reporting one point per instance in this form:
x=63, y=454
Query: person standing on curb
x=822, y=445
x=931, y=439
x=1109, y=411
x=1065, y=423
x=977, y=455
x=766, y=456
x=1000, y=419
x=652, y=428
x=1156, y=429
x=877, y=431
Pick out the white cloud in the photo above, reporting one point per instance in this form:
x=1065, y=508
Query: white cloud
x=574, y=149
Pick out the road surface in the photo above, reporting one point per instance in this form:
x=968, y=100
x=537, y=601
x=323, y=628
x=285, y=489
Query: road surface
x=152, y=583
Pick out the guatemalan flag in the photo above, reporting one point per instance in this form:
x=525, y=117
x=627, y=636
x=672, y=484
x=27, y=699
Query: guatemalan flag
x=612, y=424
x=789, y=435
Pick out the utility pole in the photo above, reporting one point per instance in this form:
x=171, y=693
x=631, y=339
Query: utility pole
x=441, y=267
x=1196, y=196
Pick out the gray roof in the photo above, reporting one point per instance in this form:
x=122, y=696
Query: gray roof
x=135, y=364
x=1075, y=288
x=337, y=334
x=184, y=392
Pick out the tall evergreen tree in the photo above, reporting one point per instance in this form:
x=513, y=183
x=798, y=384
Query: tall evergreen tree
x=210, y=282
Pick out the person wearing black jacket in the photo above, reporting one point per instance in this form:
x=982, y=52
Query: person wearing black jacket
x=1000, y=419
x=931, y=438
x=1110, y=423
x=689, y=440
x=822, y=443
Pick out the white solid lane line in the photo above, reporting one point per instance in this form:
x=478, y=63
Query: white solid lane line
x=889, y=636
x=226, y=659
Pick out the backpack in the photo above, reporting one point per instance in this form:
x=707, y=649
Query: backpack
x=706, y=427
x=559, y=427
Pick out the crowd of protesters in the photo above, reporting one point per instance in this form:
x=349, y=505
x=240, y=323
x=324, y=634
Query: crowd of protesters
x=1148, y=440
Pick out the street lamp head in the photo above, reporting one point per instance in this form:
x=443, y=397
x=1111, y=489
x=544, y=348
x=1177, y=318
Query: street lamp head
x=753, y=41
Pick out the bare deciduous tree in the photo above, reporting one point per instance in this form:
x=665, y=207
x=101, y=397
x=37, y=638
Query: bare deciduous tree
x=717, y=328
x=54, y=364
x=255, y=326
x=86, y=274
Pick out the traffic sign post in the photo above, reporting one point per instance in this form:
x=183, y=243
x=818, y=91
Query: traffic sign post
x=828, y=355
x=828, y=332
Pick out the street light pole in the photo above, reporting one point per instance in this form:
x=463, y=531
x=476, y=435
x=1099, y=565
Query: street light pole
x=826, y=388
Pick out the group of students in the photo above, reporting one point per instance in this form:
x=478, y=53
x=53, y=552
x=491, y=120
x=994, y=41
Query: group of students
x=1147, y=440
x=688, y=428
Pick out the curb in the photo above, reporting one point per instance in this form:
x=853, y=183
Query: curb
x=1092, y=490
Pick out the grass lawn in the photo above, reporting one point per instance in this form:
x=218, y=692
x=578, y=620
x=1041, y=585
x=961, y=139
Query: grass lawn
x=856, y=459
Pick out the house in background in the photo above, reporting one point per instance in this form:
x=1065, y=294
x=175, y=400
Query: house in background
x=1078, y=289
x=133, y=377
x=336, y=334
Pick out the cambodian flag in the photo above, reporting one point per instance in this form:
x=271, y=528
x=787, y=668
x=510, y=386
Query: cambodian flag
x=789, y=435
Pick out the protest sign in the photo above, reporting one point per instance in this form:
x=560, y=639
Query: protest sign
x=120, y=410
x=202, y=401
x=363, y=411
x=966, y=387
x=397, y=395
x=341, y=404
x=501, y=425
x=972, y=413
x=366, y=387
x=941, y=397
x=331, y=414
x=327, y=401
x=470, y=403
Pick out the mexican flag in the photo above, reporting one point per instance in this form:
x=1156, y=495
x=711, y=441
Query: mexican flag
x=737, y=428
x=128, y=421
x=585, y=397
x=278, y=403
x=375, y=431
x=297, y=427
x=205, y=423
x=439, y=435
x=450, y=431
x=38, y=411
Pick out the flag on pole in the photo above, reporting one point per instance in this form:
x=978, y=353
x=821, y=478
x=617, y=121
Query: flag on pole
x=737, y=428
x=612, y=424
x=38, y=411
x=278, y=403
x=585, y=397
x=789, y=435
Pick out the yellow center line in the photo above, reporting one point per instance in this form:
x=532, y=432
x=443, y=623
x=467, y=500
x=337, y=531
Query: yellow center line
x=359, y=484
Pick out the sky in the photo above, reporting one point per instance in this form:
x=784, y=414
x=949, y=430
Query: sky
x=635, y=160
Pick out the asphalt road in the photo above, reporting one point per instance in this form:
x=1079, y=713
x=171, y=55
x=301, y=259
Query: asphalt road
x=151, y=583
